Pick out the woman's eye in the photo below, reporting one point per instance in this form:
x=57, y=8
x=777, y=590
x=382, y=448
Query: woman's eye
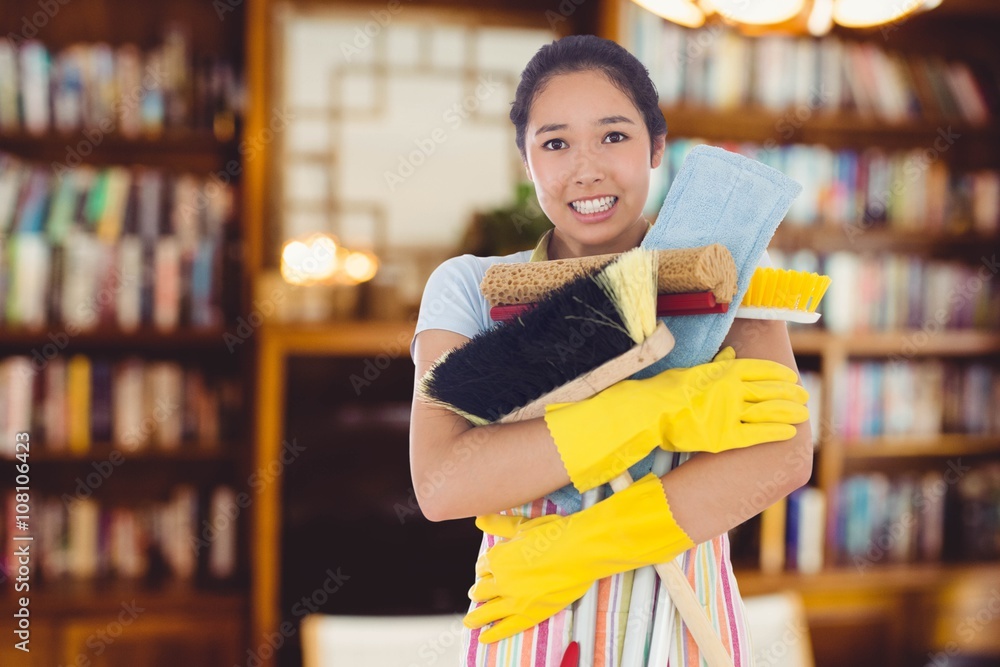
x=548, y=143
x=622, y=138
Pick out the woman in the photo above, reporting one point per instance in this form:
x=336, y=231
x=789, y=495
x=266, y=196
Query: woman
x=589, y=129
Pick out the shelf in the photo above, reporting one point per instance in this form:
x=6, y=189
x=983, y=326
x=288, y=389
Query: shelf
x=171, y=141
x=832, y=237
x=193, y=150
x=886, y=579
x=834, y=129
x=102, y=451
x=950, y=444
x=902, y=344
x=58, y=336
x=75, y=596
x=358, y=338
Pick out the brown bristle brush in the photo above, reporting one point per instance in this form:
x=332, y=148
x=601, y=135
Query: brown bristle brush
x=570, y=336
x=690, y=281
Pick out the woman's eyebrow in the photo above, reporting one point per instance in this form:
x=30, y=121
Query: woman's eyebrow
x=607, y=120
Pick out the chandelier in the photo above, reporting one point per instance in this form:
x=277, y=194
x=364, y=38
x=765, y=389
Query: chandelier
x=816, y=17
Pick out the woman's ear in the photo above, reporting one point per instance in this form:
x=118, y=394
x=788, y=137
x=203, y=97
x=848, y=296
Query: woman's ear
x=527, y=170
x=659, y=145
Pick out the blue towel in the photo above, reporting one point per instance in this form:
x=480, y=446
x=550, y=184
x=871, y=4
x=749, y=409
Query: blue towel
x=716, y=197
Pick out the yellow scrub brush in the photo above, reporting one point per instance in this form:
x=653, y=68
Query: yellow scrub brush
x=780, y=294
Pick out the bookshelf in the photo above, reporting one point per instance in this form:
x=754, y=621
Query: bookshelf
x=869, y=609
x=136, y=411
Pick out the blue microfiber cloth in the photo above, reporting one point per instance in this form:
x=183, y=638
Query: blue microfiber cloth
x=716, y=197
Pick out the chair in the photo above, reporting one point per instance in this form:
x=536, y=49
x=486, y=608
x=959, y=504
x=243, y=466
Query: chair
x=381, y=641
x=779, y=631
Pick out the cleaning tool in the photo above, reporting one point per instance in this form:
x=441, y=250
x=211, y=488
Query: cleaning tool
x=779, y=294
x=579, y=326
x=772, y=294
x=690, y=281
x=694, y=380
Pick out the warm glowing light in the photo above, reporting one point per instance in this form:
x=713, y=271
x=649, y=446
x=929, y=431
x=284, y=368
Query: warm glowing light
x=868, y=13
x=321, y=260
x=758, y=12
x=820, y=18
x=822, y=14
x=310, y=261
x=681, y=12
x=361, y=266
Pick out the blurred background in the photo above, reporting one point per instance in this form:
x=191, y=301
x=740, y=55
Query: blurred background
x=216, y=222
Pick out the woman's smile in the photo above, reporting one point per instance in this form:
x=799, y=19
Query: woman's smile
x=594, y=209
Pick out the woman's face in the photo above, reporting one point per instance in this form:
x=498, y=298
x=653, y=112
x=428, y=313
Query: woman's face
x=588, y=155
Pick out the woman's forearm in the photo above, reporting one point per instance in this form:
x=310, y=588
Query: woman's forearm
x=487, y=469
x=713, y=493
x=462, y=471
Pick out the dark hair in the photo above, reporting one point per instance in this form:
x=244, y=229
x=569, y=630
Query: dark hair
x=579, y=53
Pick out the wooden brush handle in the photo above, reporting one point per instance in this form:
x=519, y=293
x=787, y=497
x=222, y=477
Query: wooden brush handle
x=679, y=270
x=652, y=349
x=686, y=601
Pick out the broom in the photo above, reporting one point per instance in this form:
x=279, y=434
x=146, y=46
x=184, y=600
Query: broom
x=509, y=373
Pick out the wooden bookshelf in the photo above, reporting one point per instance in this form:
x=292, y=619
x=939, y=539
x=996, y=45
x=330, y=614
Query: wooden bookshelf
x=113, y=338
x=197, y=620
x=820, y=127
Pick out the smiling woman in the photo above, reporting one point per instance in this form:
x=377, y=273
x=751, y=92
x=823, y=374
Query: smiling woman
x=589, y=130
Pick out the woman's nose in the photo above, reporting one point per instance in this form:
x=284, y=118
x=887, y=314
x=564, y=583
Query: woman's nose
x=587, y=167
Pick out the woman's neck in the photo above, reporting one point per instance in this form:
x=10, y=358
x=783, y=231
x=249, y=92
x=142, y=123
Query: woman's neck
x=559, y=248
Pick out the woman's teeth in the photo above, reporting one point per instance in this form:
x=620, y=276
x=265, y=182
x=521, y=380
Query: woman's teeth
x=593, y=205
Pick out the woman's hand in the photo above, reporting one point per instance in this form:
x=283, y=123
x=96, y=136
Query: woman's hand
x=545, y=564
x=724, y=404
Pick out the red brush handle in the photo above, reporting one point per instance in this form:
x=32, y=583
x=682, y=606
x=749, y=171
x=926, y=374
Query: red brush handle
x=571, y=658
x=689, y=303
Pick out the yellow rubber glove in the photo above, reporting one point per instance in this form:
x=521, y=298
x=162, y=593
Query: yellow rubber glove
x=547, y=563
x=725, y=404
